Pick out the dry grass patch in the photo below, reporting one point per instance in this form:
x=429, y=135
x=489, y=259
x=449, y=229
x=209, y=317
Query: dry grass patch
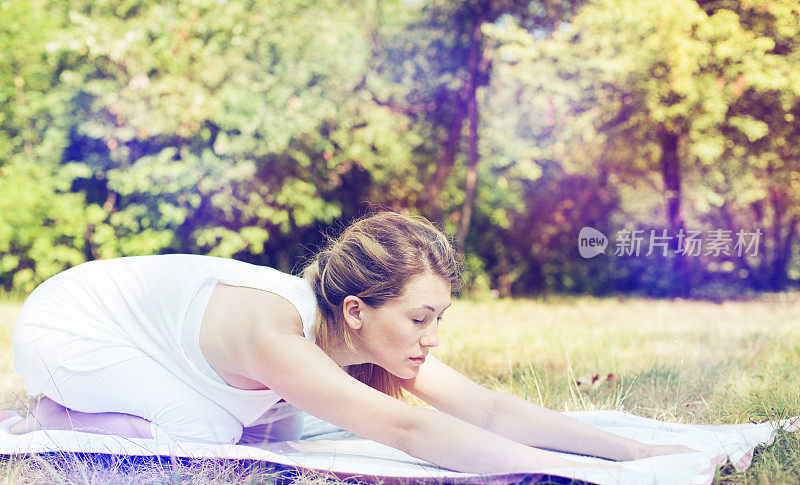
x=687, y=361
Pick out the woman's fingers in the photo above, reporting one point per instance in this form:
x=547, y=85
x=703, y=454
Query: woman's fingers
x=655, y=450
x=676, y=449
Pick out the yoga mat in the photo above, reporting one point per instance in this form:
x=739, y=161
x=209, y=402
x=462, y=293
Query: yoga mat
x=327, y=449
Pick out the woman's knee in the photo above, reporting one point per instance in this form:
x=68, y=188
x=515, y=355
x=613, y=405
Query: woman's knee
x=197, y=432
x=287, y=429
x=204, y=422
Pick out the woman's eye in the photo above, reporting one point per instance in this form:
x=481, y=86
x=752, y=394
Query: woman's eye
x=418, y=321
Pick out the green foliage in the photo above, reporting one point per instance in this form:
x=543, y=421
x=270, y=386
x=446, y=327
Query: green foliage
x=620, y=75
x=242, y=128
x=44, y=225
x=193, y=129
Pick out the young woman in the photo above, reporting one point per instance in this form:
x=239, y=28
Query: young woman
x=215, y=350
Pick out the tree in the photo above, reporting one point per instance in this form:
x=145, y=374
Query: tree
x=42, y=224
x=195, y=115
x=635, y=92
x=762, y=185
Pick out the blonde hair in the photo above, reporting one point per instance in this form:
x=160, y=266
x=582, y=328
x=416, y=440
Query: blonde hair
x=374, y=259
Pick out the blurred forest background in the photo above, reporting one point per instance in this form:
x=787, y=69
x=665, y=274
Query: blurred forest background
x=245, y=129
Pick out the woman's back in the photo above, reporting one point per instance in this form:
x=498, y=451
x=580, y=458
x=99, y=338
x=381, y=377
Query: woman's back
x=227, y=328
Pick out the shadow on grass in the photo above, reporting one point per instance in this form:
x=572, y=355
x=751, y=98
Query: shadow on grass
x=93, y=468
x=70, y=467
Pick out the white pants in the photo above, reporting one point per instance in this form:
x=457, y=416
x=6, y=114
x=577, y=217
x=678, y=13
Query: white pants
x=142, y=387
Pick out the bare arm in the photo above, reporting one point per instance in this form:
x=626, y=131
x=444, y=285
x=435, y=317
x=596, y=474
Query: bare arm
x=452, y=443
x=534, y=425
x=304, y=376
x=521, y=421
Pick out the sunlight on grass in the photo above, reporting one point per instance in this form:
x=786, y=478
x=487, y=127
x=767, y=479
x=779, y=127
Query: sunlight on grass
x=11, y=385
x=687, y=361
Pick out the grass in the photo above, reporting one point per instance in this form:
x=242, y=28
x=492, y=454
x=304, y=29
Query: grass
x=685, y=361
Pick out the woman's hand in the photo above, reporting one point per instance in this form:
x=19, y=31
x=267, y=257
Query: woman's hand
x=646, y=451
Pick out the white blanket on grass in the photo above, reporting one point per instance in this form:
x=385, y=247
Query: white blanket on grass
x=328, y=449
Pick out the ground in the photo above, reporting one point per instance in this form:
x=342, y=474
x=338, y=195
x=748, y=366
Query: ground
x=677, y=360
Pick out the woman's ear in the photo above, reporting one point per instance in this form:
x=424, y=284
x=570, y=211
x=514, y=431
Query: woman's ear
x=353, y=308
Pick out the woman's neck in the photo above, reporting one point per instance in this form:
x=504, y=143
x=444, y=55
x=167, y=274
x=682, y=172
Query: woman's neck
x=340, y=353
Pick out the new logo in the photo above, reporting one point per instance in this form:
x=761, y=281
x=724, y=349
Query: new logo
x=591, y=242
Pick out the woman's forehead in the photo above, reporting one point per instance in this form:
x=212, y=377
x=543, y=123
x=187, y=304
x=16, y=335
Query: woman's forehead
x=426, y=289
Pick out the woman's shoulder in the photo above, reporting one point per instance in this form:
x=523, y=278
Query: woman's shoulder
x=267, y=310
x=278, y=314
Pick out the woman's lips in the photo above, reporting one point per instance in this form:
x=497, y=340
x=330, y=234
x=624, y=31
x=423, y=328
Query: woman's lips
x=418, y=359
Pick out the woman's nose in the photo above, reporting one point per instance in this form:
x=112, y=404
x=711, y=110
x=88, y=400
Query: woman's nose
x=431, y=336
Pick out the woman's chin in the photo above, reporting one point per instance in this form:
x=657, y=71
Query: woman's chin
x=405, y=373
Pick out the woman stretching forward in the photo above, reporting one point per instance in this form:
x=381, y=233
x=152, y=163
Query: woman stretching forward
x=215, y=350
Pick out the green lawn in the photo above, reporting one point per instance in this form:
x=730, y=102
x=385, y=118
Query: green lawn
x=687, y=361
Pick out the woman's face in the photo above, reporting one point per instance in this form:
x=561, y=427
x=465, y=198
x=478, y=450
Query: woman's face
x=406, y=327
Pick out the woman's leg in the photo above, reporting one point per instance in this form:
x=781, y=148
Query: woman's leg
x=44, y=413
x=286, y=429
x=137, y=397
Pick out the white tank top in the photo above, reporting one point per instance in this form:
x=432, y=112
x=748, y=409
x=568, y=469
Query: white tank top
x=144, y=303
x=240, y=407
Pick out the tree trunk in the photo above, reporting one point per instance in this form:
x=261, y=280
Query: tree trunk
x=770, y=273
x=671, y=172
x=449, y=157
x=753, y=272
x=783, y=232
x=465, y=96
x=474, y=64
x=779, y=277
x=472, y=172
